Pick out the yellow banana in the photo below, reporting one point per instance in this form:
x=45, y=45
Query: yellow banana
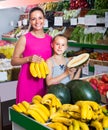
x=37, y=97
x=105, y=122
x=76, y=125
x=49, y=96
x=70, y=108
x=35, y=115
x=96, y=124
x=95, y=106
x=37, y=70
x=58, y=103
x=62, y=120
x=46, y=67
x=42, y=114
x=83, y=126
x=52, y=110
x=90, y=113
x=74, y=115
x=42, y=70
x=71, y=127
x=44, y=109
x=33, y=70
x=25, y=104
x=21, y=106
x=84, y=109
x=60, y=114
x=55, y=126
x=17, y=108
x=47, y=103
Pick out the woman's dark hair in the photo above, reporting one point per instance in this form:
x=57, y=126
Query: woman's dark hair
x=35, y=9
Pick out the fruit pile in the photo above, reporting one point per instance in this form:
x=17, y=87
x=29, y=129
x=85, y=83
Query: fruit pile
x=39, y=70
x=48, y=110
x=99, y=56
x=100, y=83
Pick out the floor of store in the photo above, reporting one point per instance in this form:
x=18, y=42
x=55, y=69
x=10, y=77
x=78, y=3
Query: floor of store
x=8, y=127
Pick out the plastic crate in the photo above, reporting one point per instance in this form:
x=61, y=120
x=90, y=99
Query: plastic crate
x=23, y=122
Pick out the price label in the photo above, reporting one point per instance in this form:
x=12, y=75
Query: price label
x=100, y=69
x=73, y=21
x=85, y=70
x=106, y=19
x=90, y=20
x=58, y=21
x=3, y=76
x=81, y=20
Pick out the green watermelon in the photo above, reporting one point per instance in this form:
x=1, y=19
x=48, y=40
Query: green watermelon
x=82, y=90
x=61, y=91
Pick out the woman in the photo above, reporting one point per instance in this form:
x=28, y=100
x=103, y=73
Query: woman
x=32, y=47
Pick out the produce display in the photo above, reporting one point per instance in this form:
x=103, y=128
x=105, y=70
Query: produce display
x=100, y=83
x=49, y=111
x=78, y=60
x=99, y=56
x=79, y=36
x=39, y=70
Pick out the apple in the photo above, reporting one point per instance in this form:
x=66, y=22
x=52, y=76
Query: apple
x=105, y=78
x=94, y=81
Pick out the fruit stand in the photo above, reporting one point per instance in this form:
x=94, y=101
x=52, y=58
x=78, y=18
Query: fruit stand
x=21, y=122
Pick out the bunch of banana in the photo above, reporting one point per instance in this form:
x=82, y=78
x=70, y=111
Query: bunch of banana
x=57, y=126
x=39, y=70
x=52, y=102
x=39, y=112
x=89, y=110
x=21, y=107
x=37, y=99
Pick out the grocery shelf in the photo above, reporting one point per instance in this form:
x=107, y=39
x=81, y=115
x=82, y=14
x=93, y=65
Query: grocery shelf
x=94, y=46
x=25, y=122
x=9, y=39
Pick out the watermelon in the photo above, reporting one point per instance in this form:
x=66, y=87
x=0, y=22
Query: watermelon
x=61, y=91
x=82, y=90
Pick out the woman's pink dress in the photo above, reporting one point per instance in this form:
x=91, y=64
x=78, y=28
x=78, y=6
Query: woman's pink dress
x=28, y=86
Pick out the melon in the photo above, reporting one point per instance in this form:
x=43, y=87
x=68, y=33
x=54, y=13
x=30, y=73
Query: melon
x=82, y=90
x=78, y=60
x=61, y=91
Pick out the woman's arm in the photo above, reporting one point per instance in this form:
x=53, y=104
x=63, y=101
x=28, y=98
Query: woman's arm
x=17, y=58
x=49, y=79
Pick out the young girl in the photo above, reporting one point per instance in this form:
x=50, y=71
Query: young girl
x=59, y=73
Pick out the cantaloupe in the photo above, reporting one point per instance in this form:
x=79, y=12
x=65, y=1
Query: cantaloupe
x=78, y=60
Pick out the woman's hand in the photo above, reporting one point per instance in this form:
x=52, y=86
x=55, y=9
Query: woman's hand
x=35, y=58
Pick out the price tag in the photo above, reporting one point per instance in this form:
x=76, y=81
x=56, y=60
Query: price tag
x=85, y=70
x=58, y=21
x=3, y=76
x=73, y=21
x=90, y=20
x=100, y=69
x=106, y=19
x=46, y=23
x=81, y=20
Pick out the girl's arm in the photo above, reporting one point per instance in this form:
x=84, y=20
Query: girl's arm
x=49, y=79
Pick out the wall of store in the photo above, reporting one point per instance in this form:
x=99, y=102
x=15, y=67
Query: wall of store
x=9, y=16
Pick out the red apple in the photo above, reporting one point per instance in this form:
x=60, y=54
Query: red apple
x=93, y=81
x=105, y=78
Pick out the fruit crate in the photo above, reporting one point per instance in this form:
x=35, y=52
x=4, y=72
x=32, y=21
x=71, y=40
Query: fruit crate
x=23, y=122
